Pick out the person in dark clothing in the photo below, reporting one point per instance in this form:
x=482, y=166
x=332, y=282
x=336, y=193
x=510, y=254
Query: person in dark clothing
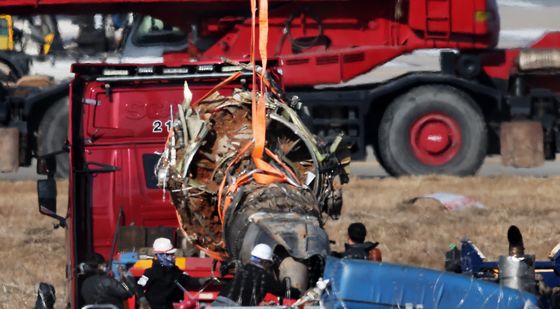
x=357, y=247
x=160, y=283
x=99, y=288
x=252, y=281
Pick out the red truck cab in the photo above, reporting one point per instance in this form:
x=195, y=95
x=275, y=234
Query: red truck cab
x=119, y=117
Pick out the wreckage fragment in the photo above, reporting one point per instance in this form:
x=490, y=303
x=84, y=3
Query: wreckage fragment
x=225, y=204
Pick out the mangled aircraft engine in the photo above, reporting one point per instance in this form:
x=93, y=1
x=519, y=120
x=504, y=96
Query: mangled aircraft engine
x=227, y=200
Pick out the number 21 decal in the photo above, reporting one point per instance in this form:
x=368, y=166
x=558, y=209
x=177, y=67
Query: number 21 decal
x=157, y=126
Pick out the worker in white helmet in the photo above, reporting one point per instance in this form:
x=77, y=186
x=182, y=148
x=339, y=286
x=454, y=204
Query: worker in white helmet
x=252, y=281
x=160, y=282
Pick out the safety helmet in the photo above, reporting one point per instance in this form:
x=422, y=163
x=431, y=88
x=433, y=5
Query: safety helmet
x=163, y=245
x=262, y=251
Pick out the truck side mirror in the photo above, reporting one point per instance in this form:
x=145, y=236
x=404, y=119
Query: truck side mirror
x=46, y=165
x=46, y=192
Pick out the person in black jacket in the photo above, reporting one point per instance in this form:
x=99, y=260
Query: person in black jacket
x=99, y=288
x=252, y=281
x=356, y=248
x=160, y=283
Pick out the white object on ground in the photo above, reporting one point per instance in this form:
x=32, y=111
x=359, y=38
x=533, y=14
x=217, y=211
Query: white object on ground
x=450, y=201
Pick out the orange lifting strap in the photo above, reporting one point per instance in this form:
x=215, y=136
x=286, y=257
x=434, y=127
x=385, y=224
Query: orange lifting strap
x=264, y=173
x=269, y=173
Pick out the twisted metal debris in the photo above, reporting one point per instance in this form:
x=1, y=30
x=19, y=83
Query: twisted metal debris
x=207, y=168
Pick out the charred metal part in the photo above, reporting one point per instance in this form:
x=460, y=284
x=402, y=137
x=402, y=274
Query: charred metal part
x=208, y=169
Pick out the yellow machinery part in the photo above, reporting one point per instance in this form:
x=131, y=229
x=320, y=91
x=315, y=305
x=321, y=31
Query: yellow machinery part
x=48, y=40
x=145, y=264
x=6, y=33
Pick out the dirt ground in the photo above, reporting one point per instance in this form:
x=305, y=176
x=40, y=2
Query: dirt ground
x=32, y=251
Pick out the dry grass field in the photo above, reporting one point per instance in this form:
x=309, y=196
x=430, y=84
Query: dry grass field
x=31, y=251
x=420, y=234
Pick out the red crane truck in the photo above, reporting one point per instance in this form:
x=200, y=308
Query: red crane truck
x=483, y=100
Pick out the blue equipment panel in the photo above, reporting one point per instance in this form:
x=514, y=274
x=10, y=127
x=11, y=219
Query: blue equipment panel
x=365, y=284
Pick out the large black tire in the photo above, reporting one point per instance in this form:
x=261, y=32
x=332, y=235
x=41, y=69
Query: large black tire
x=53, y=133
x=432, y=129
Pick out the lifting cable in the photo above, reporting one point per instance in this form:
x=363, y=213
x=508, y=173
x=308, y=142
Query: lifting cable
x=264, y=173
x=268, y=174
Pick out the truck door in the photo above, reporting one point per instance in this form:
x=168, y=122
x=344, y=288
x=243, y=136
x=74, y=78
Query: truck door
x=124, y=126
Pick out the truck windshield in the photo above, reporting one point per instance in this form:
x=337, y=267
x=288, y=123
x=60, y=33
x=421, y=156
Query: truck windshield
x=154, y=31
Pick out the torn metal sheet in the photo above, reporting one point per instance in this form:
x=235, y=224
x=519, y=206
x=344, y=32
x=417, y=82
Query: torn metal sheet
x=450, y=201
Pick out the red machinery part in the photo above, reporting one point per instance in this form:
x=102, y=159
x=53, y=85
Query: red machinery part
x=320, y=42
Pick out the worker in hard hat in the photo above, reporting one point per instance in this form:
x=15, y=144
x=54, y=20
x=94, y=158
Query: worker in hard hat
x=357, y=247
x=160, y=283
x=99, y=288
x=252, y=281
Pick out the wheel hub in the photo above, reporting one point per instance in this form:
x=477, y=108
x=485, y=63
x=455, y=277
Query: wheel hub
x=435, y=139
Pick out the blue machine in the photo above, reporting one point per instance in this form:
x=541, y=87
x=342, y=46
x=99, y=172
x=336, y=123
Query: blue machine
x=473, y=263
x=365, y=284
